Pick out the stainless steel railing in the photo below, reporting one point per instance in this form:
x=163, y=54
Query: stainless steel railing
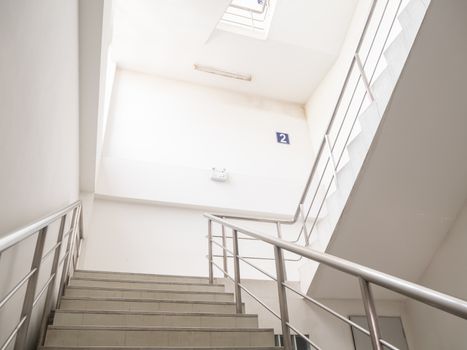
x=366, y=277
x=355, y=95
x=63, y=265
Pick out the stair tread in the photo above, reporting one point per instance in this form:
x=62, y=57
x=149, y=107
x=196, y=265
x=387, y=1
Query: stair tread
x=139, y=274
x=167, y=313
x=157, y=347
x=165, y=329
x=109, y=288
x=145, y=300
x=146, y=282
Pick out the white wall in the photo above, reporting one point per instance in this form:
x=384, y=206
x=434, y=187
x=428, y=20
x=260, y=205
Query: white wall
x=320, y=106
x=38, y=130
x=447, y=273
x=165, y=136
x=141, y=237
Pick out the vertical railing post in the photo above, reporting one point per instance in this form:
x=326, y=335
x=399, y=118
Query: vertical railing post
x=305, y=230
x=63, y=277
x=211, y=272
x=280, y=272
x=28, y=302
x=224, y=252
x=51, y=287
x=238, y=290
x=331, y=158
x=364, y=77
x=371, y=314
x=279, y=235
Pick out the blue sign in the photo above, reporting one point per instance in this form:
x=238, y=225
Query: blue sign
x=282, y=137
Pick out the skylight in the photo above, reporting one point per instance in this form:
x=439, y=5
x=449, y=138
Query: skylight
x=248, y=17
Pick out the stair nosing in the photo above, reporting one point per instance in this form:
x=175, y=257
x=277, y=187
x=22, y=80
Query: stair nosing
x=166, y=313
x=146, y=282
x=150, y=290
x=141, y=274
x=165, y=329
x=183, y=301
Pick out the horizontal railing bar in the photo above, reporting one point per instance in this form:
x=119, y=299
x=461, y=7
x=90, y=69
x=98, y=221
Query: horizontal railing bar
x=426, y=295
x=303, y=336
x=247, y=291
x=336, y=314
x=327, y=309
x=44, y=288
x=64, y=257
x=230, y=237
x=12, y=238
x=242, y=259
x=255, y=258
x=13, y=333
x=259, y=300
x=17, y=287
x=51, y=251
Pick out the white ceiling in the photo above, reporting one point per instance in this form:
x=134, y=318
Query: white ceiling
x=166, y=37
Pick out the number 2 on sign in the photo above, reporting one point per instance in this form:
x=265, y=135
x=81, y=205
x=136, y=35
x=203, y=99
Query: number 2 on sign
x=282, y=137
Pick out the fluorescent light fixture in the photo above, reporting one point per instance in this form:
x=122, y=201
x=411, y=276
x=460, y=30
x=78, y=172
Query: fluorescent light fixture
x=217, y=71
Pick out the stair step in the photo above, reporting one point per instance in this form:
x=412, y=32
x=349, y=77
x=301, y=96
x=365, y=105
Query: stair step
x=130, y=276
x=153, y=319
x=74, y=291
x=128, y=304
x=151, y=285
x=160, y=336
x=157, y=348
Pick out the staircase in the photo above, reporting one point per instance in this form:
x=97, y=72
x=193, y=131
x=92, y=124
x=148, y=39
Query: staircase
x=114, y=310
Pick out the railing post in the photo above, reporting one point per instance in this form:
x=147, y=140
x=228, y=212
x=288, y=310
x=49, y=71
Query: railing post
x=238, y=290
x=211, y=272
x=363, y=75
x=331, y=158
x=224, y=252
x=371, y=314
x=279, y=235
x=68, y=251
x=28, y=302
x=305, y=230
x=280, y=272
x=51, y=287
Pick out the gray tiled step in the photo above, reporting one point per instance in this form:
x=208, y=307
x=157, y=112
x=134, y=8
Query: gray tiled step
x=128, y=304
x=129, y=276
x=158, y=336
x=74, y=291
x=153, y=319
x=172, y=286
x=158, y=348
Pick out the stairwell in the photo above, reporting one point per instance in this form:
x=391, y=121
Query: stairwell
x=114, y=310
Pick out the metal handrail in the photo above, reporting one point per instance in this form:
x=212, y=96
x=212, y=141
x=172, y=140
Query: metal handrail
x=72, y=239
x=365, y=275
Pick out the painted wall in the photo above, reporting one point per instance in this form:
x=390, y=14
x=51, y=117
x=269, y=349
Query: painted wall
x=141, y=237
x=38, y=131
x=320, y=106
x=435, y=329
x=164, y=137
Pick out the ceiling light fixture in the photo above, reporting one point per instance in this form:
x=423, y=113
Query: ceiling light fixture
x=216, y=71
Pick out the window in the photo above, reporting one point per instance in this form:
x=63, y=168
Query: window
x=248, y=17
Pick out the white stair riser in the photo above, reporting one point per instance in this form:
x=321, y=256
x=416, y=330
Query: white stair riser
x=151, y=286
x=135, y=320
x=159, y=337
x=139, y=277
x=147, y=294
x=121, y=305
